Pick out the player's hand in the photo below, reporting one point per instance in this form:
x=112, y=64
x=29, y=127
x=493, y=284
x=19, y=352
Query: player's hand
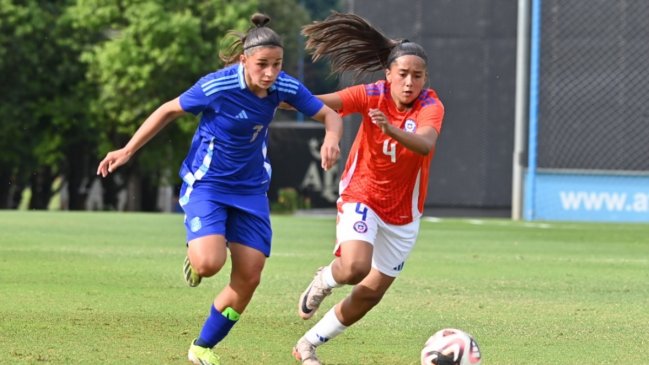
x=112, y=161
x=380, y=120
x=329, y=153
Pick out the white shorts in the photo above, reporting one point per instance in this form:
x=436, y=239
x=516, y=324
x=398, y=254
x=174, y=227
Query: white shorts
x=392, y=243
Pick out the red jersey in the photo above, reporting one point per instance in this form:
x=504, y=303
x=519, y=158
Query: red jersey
x=380, y=172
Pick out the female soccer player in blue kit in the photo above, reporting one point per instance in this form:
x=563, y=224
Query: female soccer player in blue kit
x=226, y=173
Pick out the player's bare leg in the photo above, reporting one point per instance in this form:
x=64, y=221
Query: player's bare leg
x=205, y=257
x=350, y=268
x=354, y=262
x=365, y=295
x=247, y=265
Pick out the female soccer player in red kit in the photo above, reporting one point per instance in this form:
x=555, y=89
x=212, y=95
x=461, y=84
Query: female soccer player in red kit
x=384, y=183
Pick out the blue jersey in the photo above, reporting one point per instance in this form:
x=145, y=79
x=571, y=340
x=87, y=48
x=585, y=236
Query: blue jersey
x=228, y=150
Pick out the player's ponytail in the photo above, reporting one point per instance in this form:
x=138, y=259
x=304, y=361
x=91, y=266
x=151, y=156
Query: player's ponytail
x=259, y=35
x=351, y=43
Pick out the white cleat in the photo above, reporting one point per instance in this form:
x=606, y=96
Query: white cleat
x=313, y=296
x=304, y=352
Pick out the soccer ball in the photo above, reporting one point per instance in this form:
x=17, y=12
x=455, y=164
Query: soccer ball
x=450, y=346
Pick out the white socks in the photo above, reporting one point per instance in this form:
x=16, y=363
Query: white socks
x=326, y=329
x=329, y=326
x=328, y=277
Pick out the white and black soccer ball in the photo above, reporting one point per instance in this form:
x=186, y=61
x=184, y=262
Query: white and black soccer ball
x=451, y=346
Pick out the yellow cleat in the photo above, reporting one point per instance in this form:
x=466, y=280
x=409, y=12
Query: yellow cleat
x=202, y=356
x=191, y=276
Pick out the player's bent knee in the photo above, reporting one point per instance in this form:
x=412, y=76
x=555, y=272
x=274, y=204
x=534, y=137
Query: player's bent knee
x=206, y=267
x=355, y=272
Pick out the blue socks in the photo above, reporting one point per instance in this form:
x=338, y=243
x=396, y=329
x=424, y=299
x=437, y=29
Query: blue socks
x=216, y=327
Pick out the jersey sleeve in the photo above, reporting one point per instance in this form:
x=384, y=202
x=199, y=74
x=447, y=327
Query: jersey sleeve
x=194, y=100
x=432, y=115
x=354, y=100
x=304, y=101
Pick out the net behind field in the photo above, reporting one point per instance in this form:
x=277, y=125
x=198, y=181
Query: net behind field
x=594, y=81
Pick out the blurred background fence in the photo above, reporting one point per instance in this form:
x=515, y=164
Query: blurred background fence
x=565, y=77
x=589, y=125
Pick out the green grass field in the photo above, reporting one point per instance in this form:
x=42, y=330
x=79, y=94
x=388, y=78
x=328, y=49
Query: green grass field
x=107, y=288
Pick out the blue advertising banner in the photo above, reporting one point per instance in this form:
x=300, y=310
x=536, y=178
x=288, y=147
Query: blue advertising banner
x=591, y=197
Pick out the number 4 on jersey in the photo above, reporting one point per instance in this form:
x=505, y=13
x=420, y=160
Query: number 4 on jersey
x=390, y=149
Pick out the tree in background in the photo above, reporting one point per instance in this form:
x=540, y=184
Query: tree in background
x=15, y=61
x=78, y=77
x=149, y=52
x=42, y=101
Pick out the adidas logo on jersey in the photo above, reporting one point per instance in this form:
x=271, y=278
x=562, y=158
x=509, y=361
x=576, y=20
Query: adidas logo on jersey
x=242, y=115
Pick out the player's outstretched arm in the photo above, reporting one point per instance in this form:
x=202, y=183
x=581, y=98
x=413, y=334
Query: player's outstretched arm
x=330, y=150
x=162, y=116
x=331, y=100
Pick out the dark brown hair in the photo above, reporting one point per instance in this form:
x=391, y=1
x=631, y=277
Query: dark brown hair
x=351, y=43
x=258, y=35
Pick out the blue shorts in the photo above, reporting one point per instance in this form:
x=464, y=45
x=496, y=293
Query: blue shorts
x=243, y=219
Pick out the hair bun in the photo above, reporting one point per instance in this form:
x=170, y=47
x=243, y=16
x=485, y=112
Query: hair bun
x=260, y=20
